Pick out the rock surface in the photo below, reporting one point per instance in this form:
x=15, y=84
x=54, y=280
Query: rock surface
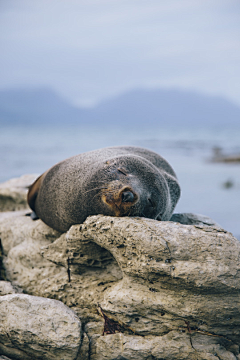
x=193, y=219
x=36, y=328
x=6, y=288
x=13, y=193
x=158, y=290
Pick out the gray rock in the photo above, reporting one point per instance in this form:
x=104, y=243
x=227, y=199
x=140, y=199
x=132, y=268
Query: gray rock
x=13, y=193
x=37, y=328
x=193, y=219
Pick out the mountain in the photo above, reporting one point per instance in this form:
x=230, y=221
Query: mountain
x=168, y=107
x=24, y=106
x=138, y=107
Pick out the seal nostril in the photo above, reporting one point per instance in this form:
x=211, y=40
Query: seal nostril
x=127, y=196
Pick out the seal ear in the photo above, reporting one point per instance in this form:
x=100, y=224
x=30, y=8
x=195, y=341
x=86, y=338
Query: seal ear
x=33, y=192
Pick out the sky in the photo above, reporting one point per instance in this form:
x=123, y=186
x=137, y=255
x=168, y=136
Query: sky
x=91, y=50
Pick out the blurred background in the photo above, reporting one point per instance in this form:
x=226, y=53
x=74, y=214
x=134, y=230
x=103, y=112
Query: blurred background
x=77, y=75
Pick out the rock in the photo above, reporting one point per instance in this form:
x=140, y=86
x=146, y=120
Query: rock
x=7, y=288
x=13, y=193
x=171, y=289
x=36, y=328
x=16, y=227
x=193, y=219
x=67, y=249
x=171, y=346
x=92, y=269
x=175, y=276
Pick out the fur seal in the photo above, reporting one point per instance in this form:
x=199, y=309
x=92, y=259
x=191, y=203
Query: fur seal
x=114, y=181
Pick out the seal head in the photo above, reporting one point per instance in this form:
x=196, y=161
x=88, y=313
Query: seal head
x=128, y=192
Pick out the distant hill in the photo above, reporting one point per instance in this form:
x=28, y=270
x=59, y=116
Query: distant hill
x=23, y=106
x=168, y=107
x=139, y=107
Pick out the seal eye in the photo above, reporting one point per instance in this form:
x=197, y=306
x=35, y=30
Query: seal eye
x=127, y=196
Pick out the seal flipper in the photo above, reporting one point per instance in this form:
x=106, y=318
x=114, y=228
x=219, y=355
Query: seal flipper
x=33, y=192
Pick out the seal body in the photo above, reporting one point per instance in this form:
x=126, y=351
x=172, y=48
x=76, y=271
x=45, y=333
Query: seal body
x=115, y=181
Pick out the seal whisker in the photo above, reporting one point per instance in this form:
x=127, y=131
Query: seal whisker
x=158, y=216
x=129, y=213
x=95, y=196
x=122, y=172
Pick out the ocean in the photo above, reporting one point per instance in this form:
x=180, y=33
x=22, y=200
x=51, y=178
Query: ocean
x=208, y=188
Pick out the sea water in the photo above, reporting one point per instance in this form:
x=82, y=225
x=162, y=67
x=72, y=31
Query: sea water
x=27, y=150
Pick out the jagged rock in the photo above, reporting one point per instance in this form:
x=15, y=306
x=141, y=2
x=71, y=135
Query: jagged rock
x=36, y=328
x=92, y=268
x=173, y=274
x=172, y=288
x=13, y=193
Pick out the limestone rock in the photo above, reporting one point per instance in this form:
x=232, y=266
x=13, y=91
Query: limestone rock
x=7, y=288
x=67, y=249
x=36, y=328
x=90, y=269
x=198, y=257
x=16, y=227
x=13, y=193
x=175, y=276
x=173, y=288
x=171, y=346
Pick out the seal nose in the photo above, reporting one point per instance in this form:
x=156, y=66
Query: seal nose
x=127, y=196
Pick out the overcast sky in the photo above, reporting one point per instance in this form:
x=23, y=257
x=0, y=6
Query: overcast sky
x=90, y=50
